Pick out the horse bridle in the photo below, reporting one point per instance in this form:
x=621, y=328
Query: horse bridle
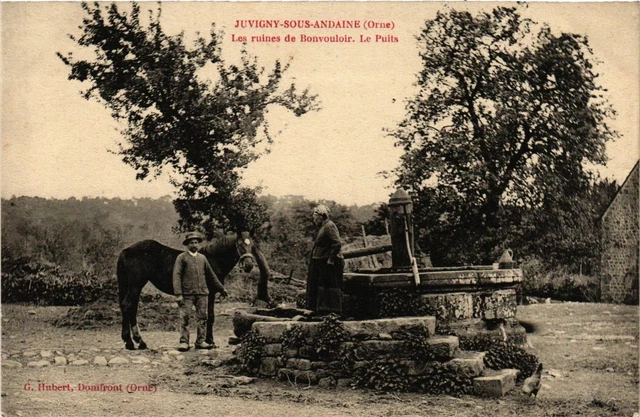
x=245, y=255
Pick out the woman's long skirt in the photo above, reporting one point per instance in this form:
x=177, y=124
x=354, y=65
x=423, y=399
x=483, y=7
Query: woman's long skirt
x=324, y=286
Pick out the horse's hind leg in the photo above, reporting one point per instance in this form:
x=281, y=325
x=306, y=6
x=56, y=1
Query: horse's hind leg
x=126, y=323
x=137, y=337
x=129, y=308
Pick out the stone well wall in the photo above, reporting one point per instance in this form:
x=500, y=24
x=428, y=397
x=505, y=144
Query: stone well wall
x=370, y=343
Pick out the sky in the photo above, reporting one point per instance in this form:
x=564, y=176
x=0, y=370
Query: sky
x=55, y=144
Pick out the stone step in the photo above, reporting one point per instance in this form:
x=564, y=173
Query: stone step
x=368, y=329
x=390, y=326
x=469, y=364
x=444, y=347
x=495, y=383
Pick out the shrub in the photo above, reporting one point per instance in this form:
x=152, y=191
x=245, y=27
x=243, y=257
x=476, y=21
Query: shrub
x=558, y=283
x=45, y=284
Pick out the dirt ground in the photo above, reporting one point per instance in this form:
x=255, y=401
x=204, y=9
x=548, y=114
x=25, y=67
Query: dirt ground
x=589, y=351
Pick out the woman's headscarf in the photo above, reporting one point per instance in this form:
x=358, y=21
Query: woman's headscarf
x=321, y=210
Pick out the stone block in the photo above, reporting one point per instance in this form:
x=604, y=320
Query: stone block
x=500, y=304
x=470, y=365
x=301, y=364
x=308, y=352
x=297, y=376
x=343, y=382
x=318, y=364
x=327, y=383
x=272, y=349
x=268, y=366
x=243, y=321
x=444, y=347
x=305, y=377
x=448, y=307
x=272, y=331
x=290, y=353
x=495, y=385
x=371, y=329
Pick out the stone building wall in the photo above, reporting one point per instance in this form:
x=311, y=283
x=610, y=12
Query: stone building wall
x=621, y=243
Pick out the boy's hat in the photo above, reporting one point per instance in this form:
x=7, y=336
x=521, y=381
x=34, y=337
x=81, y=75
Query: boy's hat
x=191, y=236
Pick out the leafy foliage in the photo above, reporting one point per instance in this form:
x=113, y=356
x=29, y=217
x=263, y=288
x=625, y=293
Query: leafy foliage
x=293, y=338
x=443, y=379
x=249, y=352
x=331, y=334
x=381, y=376
x=415, y=344
x=507, y=115
x=478, y=342
x=44, y=284
x=504, y=355
x=205, y=130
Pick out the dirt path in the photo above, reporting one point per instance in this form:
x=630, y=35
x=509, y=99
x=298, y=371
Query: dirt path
x=590, y=353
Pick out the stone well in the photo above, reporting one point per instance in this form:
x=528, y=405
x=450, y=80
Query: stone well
x=371, y=343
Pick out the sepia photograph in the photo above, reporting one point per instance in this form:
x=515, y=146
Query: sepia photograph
x=320, y=208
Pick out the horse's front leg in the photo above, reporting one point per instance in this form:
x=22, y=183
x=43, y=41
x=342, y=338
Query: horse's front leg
x=263, y=281
x=211, y=318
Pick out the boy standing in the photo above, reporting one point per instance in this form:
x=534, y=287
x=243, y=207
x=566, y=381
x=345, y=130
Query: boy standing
x=191, y=273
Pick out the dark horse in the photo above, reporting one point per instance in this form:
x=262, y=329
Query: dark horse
x=149, y=260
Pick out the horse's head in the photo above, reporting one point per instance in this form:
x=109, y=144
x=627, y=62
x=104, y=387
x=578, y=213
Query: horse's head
x=244, y=245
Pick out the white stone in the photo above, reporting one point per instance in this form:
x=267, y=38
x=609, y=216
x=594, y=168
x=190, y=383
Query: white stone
x=11, y=364
x=46, y=353
x=118, y=360
x=59, y=361
x=140, y=359
x=29, y=354
x=100, y=361
x=38, y=364
x=80, y=362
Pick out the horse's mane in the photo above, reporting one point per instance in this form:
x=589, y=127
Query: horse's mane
x=219, y=244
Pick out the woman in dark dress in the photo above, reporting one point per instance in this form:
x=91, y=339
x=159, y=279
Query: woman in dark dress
x=324, y=282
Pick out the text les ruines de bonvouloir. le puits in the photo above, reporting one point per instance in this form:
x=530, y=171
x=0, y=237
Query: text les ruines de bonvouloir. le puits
x=87, y=387
x=305, y=31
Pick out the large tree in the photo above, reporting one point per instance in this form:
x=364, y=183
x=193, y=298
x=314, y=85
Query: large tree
x=183, y=108
x=507, y=115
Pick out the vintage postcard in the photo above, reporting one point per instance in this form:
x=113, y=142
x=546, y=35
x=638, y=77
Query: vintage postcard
x=420, y=207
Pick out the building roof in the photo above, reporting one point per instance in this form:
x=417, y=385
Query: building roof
x=634, y=169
